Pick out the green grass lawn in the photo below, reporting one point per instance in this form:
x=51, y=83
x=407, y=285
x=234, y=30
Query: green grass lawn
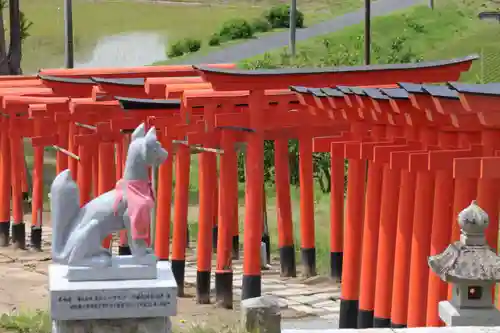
x=96, y=19
x=40, y=322
x=314, y=11
x=207, y=49
x=483, y=41
x=419, y=33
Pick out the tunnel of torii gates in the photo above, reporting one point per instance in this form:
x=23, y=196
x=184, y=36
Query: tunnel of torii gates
x=417, y=155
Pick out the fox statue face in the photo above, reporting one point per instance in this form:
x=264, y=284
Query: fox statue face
x=147, y=147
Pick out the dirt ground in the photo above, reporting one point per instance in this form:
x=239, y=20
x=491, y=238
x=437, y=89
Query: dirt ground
x=24, y=288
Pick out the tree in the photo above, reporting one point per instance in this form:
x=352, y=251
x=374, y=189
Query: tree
x=10, y=59
x=19, y=25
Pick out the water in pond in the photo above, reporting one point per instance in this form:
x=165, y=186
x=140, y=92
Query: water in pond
x=126, y=50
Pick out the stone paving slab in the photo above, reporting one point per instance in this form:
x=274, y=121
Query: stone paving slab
x=325, y=304
x=311, y=325
x=333, y=315
x=299, y=297
x=304, y=308
x=305, y=299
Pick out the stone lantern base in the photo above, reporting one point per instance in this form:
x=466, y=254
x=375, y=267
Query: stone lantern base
x=453, y=316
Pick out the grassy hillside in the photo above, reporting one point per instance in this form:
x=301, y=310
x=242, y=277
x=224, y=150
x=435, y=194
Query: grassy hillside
x=96, y=19
x=314, y=11
x=484, y=42
x=317, y=9
x=173, y=20
x=451, y=30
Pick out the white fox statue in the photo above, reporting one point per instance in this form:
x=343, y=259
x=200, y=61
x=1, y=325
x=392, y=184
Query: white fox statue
x=78, y=232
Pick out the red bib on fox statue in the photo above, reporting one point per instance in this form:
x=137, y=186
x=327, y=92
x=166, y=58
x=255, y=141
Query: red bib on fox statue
x=140, y=201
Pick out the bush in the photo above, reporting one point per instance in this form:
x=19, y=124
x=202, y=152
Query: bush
x=176, y=49
x=214, y=40
x=236, y=29
x=181, y=47
x=192, y=45
x=261, y=25
x=279, y=17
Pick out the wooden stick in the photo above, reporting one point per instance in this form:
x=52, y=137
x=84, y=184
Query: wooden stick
x=90, y=127
x=67, y=152
x=208, y=150
x=198, y=148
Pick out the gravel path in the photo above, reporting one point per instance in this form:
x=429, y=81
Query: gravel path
x=266, y=43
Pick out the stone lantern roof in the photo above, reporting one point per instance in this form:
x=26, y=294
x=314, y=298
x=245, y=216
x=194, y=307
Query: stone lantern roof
x=470, y=259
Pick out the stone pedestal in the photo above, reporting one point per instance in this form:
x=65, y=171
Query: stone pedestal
x=453, y=316
x=112, y=306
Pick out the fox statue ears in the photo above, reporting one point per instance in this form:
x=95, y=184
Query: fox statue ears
x=140, y=132
x=151, y=135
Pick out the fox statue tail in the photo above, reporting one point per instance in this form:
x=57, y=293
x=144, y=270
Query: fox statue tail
x=64, y=206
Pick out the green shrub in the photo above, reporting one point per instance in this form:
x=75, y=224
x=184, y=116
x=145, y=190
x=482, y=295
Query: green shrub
x=192, y=45
x=31, y=322
x=261, y=25
x=279, y=17
x=236, y=29
x=214, y=40
x=176, y=49
x=183, y=46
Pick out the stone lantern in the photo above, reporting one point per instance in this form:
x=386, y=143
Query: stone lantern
x=473, y=269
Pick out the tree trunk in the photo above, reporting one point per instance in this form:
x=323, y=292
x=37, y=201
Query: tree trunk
x=4, y=63
x=15, y=47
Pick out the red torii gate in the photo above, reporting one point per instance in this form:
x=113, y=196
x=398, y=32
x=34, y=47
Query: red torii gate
x=31, y=120
x=218, y=132
x=82, y=87
x=72, y=83
x=127, y=82
x=455, y=123
x=126, y=72
x=226, y=127
x=257, y=81
x=11, y=164
x=189, y=110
